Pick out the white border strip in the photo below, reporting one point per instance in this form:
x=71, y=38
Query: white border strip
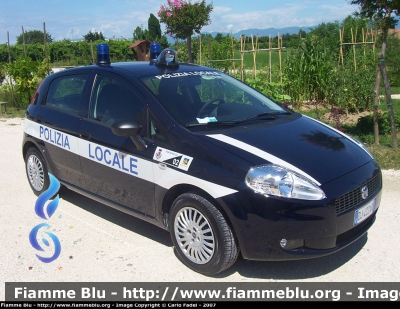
x=158, y=173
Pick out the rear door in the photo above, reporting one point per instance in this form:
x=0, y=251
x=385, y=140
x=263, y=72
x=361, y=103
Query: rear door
x=114, y=168
x=59, y=119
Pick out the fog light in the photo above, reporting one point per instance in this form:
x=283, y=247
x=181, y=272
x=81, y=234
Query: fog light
x=290, y=244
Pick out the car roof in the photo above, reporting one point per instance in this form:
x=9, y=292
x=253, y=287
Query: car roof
x=143, y=68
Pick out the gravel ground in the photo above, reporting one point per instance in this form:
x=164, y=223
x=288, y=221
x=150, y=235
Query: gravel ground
x=100, y=244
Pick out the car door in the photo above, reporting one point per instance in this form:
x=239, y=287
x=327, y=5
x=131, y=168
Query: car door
x=59, y=120
x=113, y=167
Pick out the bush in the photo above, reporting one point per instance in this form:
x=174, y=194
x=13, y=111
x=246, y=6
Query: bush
x=365, y=124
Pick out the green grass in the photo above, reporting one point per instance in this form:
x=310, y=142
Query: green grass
x=394, y=90
x=12, y=112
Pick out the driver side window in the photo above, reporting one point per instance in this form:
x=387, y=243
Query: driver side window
x=112, y=100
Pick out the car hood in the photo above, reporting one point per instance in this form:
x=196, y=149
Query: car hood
x=305, y=145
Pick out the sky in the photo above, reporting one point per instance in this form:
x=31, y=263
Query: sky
x=117, y=19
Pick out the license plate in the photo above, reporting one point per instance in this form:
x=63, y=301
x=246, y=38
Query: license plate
x=364, y=212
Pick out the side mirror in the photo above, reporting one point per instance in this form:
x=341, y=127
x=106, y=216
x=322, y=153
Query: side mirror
x=129, y=128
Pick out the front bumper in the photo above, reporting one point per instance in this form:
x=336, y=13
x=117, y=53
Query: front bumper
x=308, y=228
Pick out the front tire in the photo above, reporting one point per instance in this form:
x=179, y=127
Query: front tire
x=36, y=171
x=203, y=239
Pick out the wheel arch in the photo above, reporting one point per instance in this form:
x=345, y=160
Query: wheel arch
x=30, y=144
x=180, y=189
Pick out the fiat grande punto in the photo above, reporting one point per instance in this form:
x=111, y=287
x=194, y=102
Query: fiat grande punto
x=225, y=169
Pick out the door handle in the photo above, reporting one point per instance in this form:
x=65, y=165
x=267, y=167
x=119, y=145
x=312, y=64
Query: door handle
x=84, y=134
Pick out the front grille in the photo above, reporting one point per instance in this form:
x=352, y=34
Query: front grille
x=353, y=197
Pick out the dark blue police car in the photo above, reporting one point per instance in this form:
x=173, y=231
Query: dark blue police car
x=194, y=151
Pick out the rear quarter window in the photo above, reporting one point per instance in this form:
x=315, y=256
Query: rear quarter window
x=66, y=92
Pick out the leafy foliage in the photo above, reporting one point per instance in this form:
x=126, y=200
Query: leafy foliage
x=365, y=124
x=183, y=19
x=215, y=53
x=93, y=36
x=27, y=75
x=34, y=37
x=271, y=89
x=393, y=59
x=154, y=28
x=308, y=71
x=380, y=11
x=140, y=34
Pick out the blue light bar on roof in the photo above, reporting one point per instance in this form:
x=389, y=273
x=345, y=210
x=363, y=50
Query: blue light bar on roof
x=155, y=50
x=103, y=54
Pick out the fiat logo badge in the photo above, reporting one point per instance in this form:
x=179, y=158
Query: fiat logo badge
x=364, y=192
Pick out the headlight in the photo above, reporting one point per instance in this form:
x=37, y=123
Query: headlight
x=272, y=179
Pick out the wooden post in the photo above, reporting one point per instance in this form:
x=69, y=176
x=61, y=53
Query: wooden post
x=233, y=55
x=14, y=100
x=280, y=56
x=254, y=57
x=45, y=41
x=200, y=48
x=91, y=47
x=341, y=32
x=270, y=58
x=353, y=40
x=376, y=106
x=364, y=40
x=209, y=49
x=242, y=58
x=373, y=40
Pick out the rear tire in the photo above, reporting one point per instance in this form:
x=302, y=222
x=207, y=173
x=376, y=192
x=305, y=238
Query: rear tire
x=36, y=171
x=203, y=239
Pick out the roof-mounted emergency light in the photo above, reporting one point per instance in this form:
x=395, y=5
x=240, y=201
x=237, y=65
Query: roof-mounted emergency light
x=103, y=54
x=155, y=50
x=168, y=57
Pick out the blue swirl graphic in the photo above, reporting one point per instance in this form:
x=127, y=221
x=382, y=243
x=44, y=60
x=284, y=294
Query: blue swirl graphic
x=35, y=244
x=40, y=211
x=45, y=196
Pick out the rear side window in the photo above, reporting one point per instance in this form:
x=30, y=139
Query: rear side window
x=66, y=92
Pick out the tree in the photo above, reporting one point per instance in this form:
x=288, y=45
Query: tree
x=93, y=36
x=219, y=37
x=154, y=28
x=140, y=34
x=34, y=37
x=393, y=59
x=328, y=32
x=183, y=19
x=381, y=11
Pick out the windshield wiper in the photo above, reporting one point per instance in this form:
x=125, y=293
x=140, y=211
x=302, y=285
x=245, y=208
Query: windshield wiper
x=263, y=116
x=211, y=124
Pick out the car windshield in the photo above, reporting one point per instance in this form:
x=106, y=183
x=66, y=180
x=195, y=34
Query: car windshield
x=210, y=98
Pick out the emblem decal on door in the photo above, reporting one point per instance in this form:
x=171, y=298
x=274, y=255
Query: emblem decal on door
x=172, y=158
